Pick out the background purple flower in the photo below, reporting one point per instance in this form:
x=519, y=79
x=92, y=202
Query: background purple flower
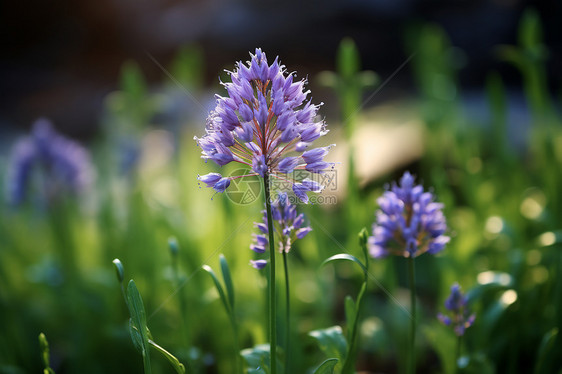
x=61, y=163
x=287, y=224
x=459, y=317
x=408, y=222
x=265, y=123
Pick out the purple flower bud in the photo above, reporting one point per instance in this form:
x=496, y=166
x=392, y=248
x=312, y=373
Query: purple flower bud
x=285, y=120
x=318, y=167
x=258, y=264
x=277, y=85
x=258, y=165
x=245, y=112
x=312, y=185
x=261, y=112
x=299, y=220
x=273, y=70
x=301, y=146
x=301, y=233
x=228, y=116
x=222, y=157
x=222, y=184
x=300, y=190
x=315, y=155
x=210, y=179
x=312, y=132
x=289, y=134
x=225, y=136
x=245, y=132
x=288, y=164
x=257, y=248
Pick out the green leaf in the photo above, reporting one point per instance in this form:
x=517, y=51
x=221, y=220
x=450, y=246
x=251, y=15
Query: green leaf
x=327, y=367
x=350, y=312
x=347, y=257
x=119, y=270
x=331, y=341
x=443, y=343
x=135, y=336
x=138, y=321
x=227, y=281
x=257, y=358
x=178, y=366
x=544, y=350
x=220, y=290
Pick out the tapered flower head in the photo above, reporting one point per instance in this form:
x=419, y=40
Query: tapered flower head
x=459, y=317
x=408, y=222
x=62, y=164
x=266, y=123
x=288, y=226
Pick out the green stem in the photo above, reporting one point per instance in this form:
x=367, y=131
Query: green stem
x=272, y=306
x=182, y=302
x=287, y=313
x=412, y=278
x=146, y=361
x=352, y=351
x=349, y=365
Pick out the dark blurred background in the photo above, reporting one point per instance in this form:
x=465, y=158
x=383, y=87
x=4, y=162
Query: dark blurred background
x=60, y=58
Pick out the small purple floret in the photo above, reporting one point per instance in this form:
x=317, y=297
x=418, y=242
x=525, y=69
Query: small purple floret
x=258, y=264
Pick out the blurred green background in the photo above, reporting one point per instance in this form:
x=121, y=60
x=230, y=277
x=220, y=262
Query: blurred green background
x=492, y=155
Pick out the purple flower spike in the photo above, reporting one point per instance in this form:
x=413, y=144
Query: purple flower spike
x=408, y=223
x=65, y=165
x=287, y=225
x=459, y=316
x=266, y=123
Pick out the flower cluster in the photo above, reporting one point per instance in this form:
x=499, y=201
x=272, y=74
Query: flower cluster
x=460, y=319
x=408, y=222
x=265, y=123
x=63, y=163
x=288, y=227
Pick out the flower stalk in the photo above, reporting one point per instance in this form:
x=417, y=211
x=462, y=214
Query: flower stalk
x=287, y=313
x=412, y=281
x=272, y=301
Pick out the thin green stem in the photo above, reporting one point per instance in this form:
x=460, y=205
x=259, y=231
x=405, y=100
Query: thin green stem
x=287, y=314
x=146, y=361
x=182, y=302
x=272, y=301
x=349, y=365
x=412, y=279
